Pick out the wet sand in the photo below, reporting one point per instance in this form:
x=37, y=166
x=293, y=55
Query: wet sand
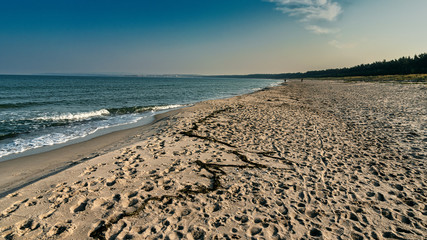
x=22, y=171
x=313, y=160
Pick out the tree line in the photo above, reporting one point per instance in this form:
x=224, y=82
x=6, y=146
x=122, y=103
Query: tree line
x=401, y=66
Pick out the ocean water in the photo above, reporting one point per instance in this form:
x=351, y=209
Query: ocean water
x=39, y=111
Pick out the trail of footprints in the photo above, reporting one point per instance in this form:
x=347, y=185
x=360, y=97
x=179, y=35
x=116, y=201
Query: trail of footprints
x=68, y=194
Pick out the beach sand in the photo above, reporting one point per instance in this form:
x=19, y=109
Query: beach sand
x=306, y=160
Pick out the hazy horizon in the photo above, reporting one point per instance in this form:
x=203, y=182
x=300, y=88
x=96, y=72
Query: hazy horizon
x=123, y=74
x=205, y=38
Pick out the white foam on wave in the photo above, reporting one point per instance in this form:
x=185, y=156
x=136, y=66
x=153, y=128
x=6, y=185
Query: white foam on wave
x=69, y=133
x=256, y=89
x=75, y=116
x=159, y=108
x=274, y=84
x=20, y=145
x=65, y=134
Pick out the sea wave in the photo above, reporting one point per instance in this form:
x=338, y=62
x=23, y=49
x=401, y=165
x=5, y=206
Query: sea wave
x=141, y=109
x=20, y=145
x=65, y=130
x=128, y=110
x=62, y=135
x=159, y=108
x=10, y=129
x=74, y=116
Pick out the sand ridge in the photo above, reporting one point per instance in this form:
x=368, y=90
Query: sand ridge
x=311, y=160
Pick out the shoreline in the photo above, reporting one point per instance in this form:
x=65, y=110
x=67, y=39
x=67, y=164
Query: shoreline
x=32, y=166
x=98, y=133
x=35, y=167
x=312, y=160
x=146, y=119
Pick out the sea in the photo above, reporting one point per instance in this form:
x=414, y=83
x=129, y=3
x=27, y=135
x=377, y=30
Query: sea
x=44, y=112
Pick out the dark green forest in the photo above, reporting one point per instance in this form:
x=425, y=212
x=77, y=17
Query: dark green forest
x=401, y=66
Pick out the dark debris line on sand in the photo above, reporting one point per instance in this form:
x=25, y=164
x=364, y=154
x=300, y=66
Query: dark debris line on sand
x=214, y=169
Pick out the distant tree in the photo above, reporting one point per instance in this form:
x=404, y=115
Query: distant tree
x=403, y=65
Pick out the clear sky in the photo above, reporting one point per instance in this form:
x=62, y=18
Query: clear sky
x=205, y=36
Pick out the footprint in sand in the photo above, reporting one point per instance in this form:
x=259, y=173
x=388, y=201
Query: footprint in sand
x=15, y=194
x=58, y=199
x=314, y=232
x=130, y=201
x=132, y=194
x=13, y=208
x=30, y=203
x=254, y=231
x=111, y=181
x=89, y=170
x=27, y=226
x=48, y=214
x=80, y=206
x=148, y=187
x=197, y=233
x=61, y=229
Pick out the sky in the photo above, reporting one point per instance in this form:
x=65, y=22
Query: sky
x=205, y=36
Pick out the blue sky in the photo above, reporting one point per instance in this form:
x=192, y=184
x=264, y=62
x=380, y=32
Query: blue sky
x=205, y=37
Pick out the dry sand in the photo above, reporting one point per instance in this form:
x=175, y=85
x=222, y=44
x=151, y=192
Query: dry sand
x=311, y=160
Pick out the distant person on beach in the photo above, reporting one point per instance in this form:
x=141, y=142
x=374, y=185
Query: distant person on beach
x=284, y=80
x=302, y=79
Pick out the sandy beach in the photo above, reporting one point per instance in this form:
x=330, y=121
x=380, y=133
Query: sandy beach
x=305, y=160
